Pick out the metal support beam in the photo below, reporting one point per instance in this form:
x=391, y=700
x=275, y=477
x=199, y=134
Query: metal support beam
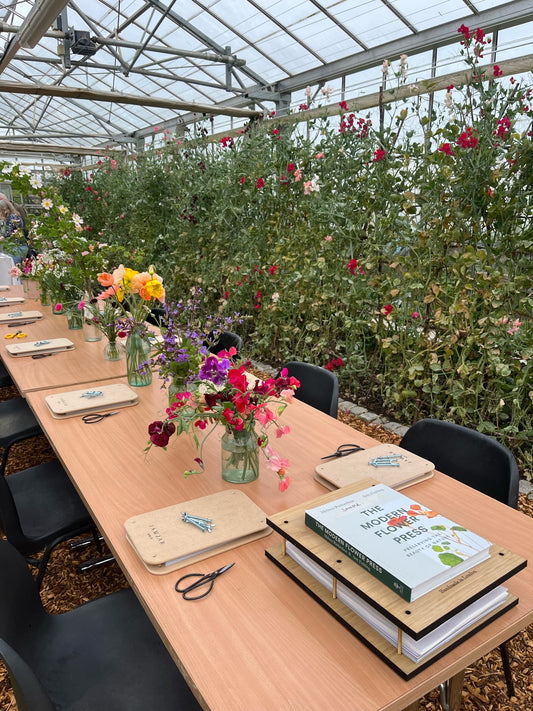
x=59, y=150
x=506, y=15
x=118, y=98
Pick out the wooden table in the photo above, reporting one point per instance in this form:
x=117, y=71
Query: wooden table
x=79, y=366
x=259, y=642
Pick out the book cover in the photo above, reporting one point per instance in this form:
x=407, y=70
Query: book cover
x=408, y=547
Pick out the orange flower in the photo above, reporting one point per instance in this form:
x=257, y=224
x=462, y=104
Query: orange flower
x=106, y=279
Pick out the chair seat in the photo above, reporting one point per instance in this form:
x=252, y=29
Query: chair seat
x=17, y=422
x=105, y=655
x=48, y=505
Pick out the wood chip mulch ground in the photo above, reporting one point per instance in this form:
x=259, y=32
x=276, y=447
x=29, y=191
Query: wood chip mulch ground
x=64, y=588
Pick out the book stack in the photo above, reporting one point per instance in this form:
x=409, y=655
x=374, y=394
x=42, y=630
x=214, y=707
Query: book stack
x=407, y=581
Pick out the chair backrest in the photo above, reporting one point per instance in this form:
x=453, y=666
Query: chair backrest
x=20, y=604
x=468, y=456
x=9, y=518
x=225, y=341
x=29, y=694
x=318, y=387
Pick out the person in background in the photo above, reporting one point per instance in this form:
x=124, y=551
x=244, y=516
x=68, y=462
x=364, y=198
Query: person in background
x=14, y=223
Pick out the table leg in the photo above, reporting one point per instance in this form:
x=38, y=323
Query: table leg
x=451, y=692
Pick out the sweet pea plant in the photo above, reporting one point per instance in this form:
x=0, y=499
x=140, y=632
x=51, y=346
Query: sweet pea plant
x=222, y=395
x=396, y=241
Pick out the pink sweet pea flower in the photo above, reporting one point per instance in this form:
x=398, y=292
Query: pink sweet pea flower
x=282, y=430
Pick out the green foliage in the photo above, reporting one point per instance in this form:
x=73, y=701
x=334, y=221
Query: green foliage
x=403, y=249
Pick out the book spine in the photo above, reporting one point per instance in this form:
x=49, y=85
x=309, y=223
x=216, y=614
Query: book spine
x=391, y=581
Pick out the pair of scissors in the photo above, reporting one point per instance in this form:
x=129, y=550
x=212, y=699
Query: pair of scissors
x=97, y=417
x=42, y=355
x=18, y=334
x=201, y=579
x=343, y=450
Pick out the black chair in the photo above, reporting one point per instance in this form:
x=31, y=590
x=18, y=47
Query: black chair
x=5, y=378
x=474, y=459
x=40, y=508
x=318, y=387
x=223, y=342
x=156, y=316
x=17, y=423
x=104, y=654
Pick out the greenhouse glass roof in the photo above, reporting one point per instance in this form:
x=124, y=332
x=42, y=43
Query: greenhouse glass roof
x=84, y=75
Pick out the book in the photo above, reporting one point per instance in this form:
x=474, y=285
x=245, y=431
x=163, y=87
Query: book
x=408, y=547
x=406, y=468
x=417, y=650
x=164, y=542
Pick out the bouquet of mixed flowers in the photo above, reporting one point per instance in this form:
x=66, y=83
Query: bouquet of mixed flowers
x=220, y=393
x=134, y=292
x=185, y=340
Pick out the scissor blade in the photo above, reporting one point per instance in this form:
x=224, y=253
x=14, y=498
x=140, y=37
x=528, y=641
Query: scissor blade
x=224, y=568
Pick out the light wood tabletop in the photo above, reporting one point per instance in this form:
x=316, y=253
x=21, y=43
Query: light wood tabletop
x=258, y=642
x=81, y=365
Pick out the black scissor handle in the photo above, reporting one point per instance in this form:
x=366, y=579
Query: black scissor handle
x=91, y=419
x=201, y=579
x=42, y=355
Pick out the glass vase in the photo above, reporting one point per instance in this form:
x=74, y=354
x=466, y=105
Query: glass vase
x=75, y=319
x=91, y=332
x=45, y=298
x=176, y=385
x=137, y=355
x=240, y=457
x=113, y=351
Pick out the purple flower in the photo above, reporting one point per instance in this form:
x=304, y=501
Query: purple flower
x=214, y=370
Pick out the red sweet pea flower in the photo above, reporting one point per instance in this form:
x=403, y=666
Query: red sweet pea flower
x=343, y=105
x=497, y=71
x=387, y=309
x=379, y=154
x=352, y=266
x=160, y=433
x=237, y=378
x=260, y=183
x=272, y=269
x=446, y=148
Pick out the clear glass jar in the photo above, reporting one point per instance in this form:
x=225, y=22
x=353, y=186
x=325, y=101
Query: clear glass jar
x=240, y=456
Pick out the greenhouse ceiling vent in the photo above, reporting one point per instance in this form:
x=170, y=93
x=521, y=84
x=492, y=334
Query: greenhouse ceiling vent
x=83, y=44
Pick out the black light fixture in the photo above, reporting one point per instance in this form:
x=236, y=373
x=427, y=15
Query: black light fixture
x=82, y=43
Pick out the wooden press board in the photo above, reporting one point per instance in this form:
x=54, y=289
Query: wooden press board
x=10, y=300
x=20, y=317
x=342, y=471
x=75, y=402
x=165, y=543
x=417, y=618
x=55, y=345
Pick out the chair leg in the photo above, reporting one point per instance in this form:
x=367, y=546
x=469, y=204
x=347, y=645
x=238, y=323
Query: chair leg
x=506, y=663
x=95, y=562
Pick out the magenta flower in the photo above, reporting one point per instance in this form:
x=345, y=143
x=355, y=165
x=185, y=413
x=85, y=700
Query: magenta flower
x=379, y=154
x=58, y=307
